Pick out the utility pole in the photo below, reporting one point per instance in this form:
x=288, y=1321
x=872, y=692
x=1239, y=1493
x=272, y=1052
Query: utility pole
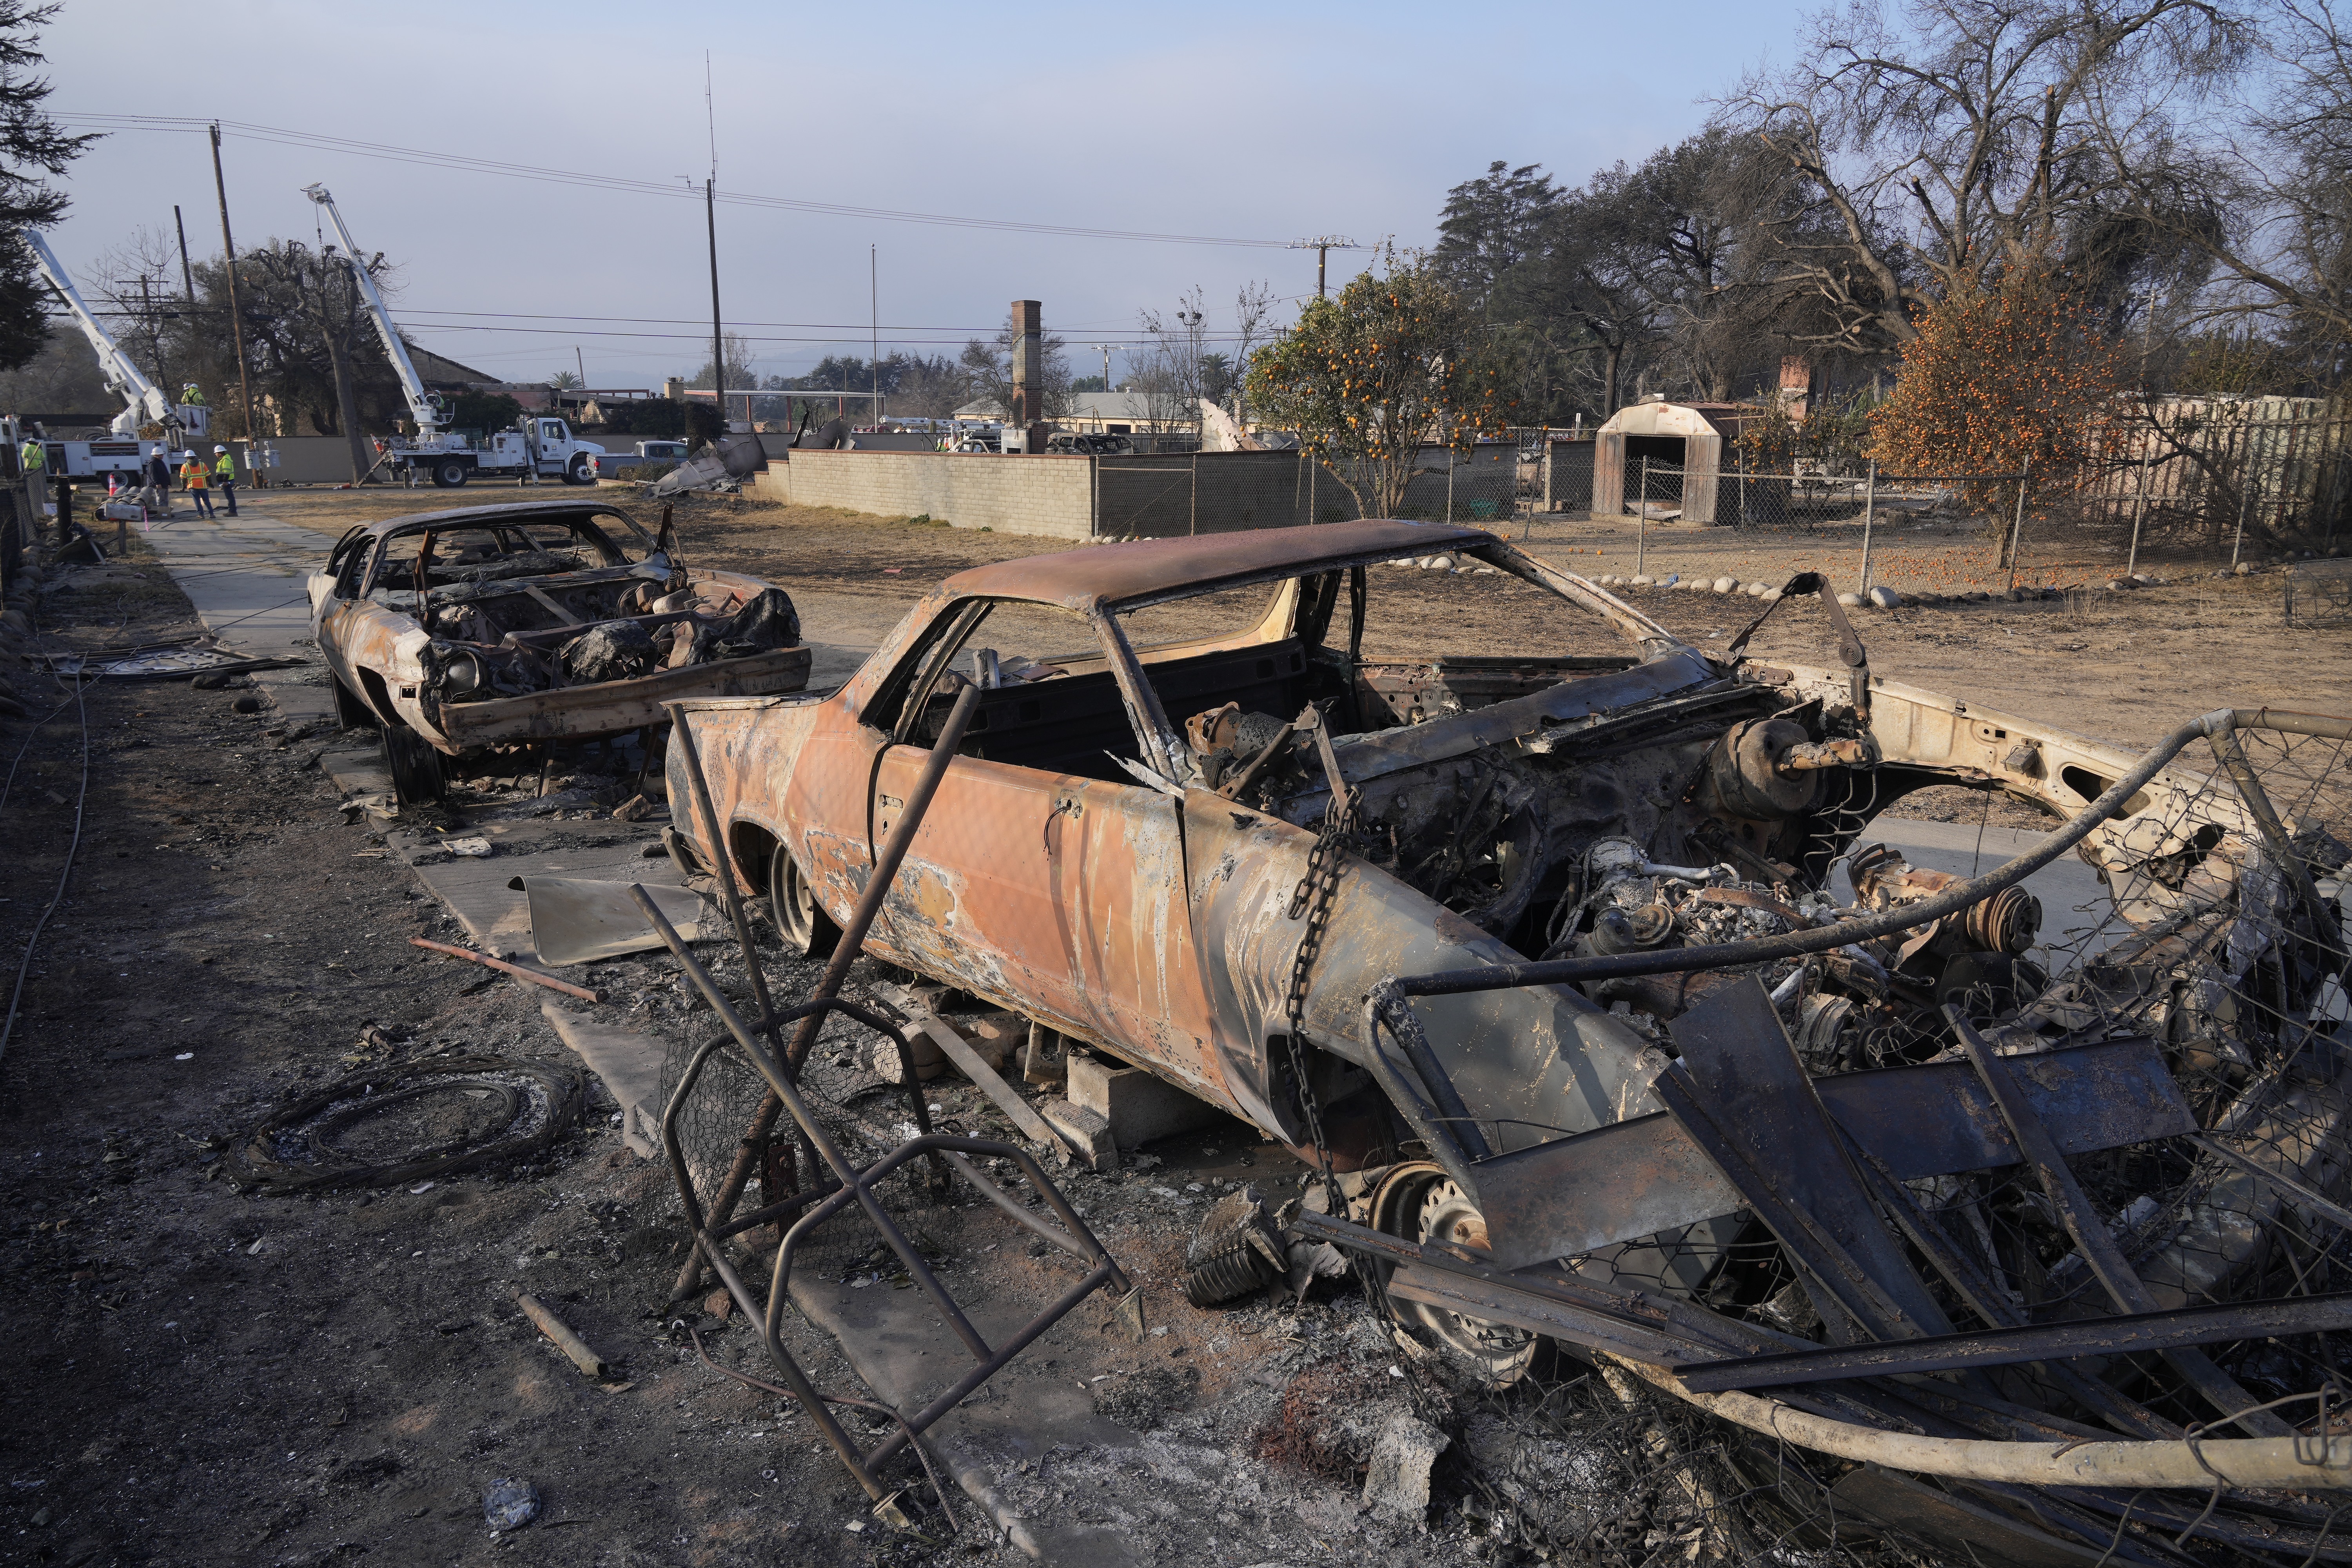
x=1106, y=353
x=710, y=217
x=718, y=346
x=236, y=311
x=874, y=306
x=1322, y=245
x=187, y=273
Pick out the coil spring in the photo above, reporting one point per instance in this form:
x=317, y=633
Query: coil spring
x=1237, y=1270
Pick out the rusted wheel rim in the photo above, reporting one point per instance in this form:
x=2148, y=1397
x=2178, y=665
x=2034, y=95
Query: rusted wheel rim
x=1420, y=1202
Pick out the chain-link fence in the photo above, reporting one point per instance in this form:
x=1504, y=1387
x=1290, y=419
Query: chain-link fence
x=1863, y=529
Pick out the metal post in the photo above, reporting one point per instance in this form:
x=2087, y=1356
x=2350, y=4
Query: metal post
x=2131, y=568
x=1193, y=524
x=1450, y=459
x=1869, y=507
x=1642, y=519
x=2245, y=499
x=2016, y=525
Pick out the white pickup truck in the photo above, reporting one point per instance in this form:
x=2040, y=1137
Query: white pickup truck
x=538, y=445
x=612, y=465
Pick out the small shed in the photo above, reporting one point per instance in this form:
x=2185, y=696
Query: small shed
x=1687, y=437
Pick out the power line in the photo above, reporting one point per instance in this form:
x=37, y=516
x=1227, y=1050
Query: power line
x=284, y=137
x=854, y=337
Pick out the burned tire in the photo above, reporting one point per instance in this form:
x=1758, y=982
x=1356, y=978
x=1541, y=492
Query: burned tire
x=414, y=765
x=398, y=1121
x=350, y=712
x=450, y=474
x=806, y=928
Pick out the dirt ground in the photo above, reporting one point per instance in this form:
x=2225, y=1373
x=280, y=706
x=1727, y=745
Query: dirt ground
x=211, y=1376
x=2124, y=667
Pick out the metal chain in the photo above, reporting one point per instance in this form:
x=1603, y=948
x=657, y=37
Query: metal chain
x=1314, y=897
x=1316, y=894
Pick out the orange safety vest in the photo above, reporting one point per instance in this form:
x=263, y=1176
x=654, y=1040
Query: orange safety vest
x=193, y=472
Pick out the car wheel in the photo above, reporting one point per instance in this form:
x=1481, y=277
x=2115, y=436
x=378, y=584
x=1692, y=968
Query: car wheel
x=450, y=475
x=414, y=765
x=350, y=712
x=1421, y=1203
x=580, y=472
x=806, y=928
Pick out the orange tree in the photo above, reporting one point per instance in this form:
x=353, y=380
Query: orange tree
x=1998, y=378
x=1395, y=362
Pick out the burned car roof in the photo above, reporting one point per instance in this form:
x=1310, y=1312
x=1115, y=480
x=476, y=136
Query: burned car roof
x=1119, y=574
x=514, y=511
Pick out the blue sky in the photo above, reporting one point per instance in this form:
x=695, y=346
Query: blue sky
x=1214, y=119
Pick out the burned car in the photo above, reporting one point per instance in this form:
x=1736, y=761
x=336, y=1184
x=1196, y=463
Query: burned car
x=1538, y=952
x=544, y=621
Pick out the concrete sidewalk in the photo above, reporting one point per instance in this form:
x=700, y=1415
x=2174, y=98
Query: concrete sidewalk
x=245, y=576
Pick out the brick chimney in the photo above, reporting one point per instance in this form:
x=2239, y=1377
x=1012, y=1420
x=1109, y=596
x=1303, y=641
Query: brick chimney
x=1795, y=386
x=1028, y=364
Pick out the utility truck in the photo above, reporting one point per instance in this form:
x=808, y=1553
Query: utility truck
x=144, y=405
x=539, y=447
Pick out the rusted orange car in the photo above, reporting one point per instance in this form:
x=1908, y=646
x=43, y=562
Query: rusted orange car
x=1524, y=918
x=1126, y=851
x=537, y=621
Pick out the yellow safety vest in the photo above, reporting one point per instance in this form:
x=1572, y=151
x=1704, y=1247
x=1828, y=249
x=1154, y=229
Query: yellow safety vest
x=226, y=467
x=33, y=456
x=192, y=394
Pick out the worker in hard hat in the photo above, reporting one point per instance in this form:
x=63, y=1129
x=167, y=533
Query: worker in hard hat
x=196, y=476
x=224, y=475
x=156, y=493
x=33, y=458
x=192, y=393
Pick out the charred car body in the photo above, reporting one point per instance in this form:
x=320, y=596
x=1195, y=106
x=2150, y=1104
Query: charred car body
x=543, y=621
x=1542, y=957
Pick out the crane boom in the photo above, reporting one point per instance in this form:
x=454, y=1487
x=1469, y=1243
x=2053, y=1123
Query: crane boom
x=421, y=405
x=144, y=404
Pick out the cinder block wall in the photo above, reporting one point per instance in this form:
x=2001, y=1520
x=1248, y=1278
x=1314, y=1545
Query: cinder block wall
x=1050, y=497
x=1067, y=498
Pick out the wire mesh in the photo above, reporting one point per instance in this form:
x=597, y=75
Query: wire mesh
x=2318, y=594
x=713, y=1121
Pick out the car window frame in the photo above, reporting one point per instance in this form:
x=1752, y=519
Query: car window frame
x=916, y=677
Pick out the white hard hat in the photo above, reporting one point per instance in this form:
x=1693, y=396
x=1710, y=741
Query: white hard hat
x=220, y=448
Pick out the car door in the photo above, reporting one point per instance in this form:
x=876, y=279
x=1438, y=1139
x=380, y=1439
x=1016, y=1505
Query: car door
x=336, y=607
x=1044, y=874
